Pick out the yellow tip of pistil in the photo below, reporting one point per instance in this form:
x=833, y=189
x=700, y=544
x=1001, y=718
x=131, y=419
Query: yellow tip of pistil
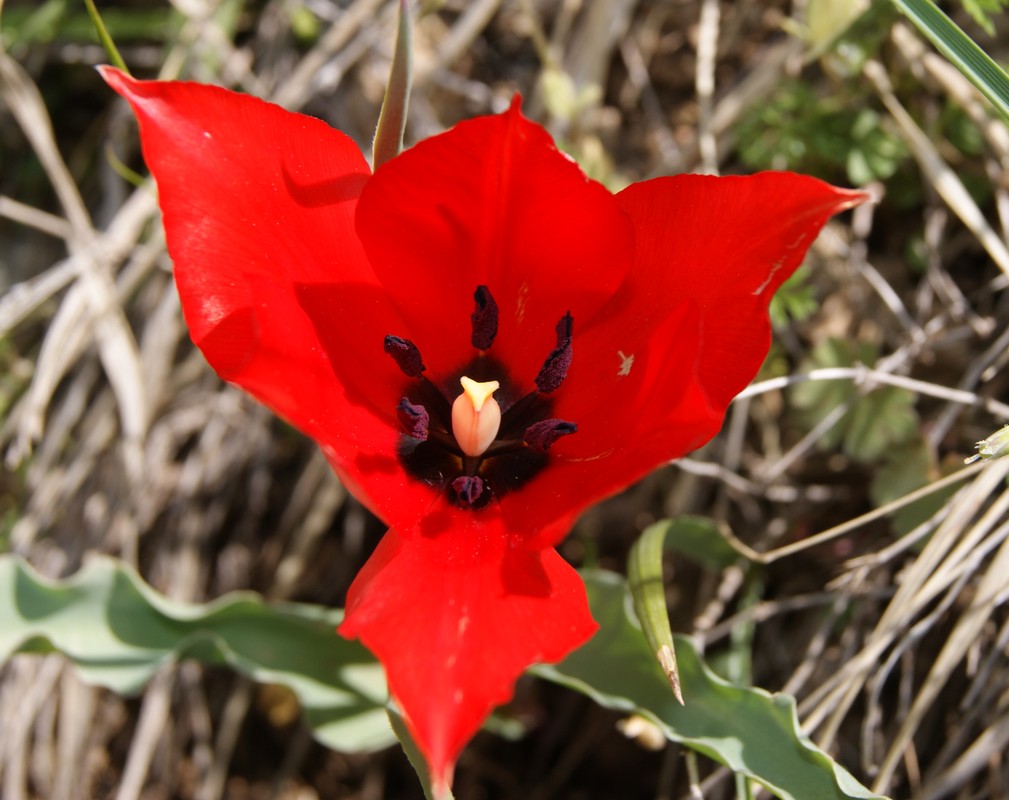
x=478, y=392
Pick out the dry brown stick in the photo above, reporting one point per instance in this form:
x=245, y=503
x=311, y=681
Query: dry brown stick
x=669, y=153
x=939, y=173
x=24, y=298
x=864, y=377
x=974, y=759
x=36, y=218
x=753, y=88
x=25, y=103
x=704, y=83
x=300, y=85
x=297, y=749
x=232, y=718
x=149, y=732
x=76, y=715
x=927, y=576
x=69, y=334
x=594, y=39
x=471, y=23
x=203, y=46
x=28, y=686
x=184, y=581
x=316, y=498
x=111, y=332
x=983, y=601
x=190, y=675
x=982, y=707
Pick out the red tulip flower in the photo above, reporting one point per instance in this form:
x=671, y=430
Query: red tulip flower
x=483, y=341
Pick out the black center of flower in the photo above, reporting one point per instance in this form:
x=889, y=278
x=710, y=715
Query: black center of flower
x=474, y=436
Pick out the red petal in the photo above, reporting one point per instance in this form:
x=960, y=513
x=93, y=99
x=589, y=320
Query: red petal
x=709, y=253
x=627, y=424
x=492, y=202
x=727, y=244
x=455, y=615
x=259, y=210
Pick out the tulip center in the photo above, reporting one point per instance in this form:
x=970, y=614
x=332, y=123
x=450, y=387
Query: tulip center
x=472, y=444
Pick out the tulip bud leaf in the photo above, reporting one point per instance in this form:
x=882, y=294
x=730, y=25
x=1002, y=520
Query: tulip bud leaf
x=392, y=118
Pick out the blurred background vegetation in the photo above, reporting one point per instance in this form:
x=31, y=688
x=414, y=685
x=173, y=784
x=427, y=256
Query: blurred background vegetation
x=891, y=631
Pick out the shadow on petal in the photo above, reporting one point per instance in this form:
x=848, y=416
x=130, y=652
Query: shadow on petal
x=522, y=573
x=319, y=193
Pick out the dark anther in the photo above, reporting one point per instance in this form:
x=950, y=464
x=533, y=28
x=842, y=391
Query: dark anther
x=540, y=435
x=406, y=355
x=414, y=418
x=484, y=319
x=555, y=368
x=468, y=489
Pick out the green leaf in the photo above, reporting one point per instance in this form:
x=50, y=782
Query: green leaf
x=751, y=731
x=62, y=21
x=648, y=591
x=800, y=129
x=118, y=632
x=562, y=97
x=875, y=154
x=876, y=421
x=304, y=24
x=827, y=19
x=905, y=469
x=960, y=130
x=795, y=300
x=961, y=51
x=883, y=419
x=981, y=11
x=699, y=539
x=392, y=118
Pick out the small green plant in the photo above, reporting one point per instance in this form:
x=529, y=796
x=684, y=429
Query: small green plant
x=875, y=421
x=795, y=300
x=800, y=129
x=981, y=12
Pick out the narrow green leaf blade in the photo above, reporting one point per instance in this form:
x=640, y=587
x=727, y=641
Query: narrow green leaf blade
x=700, y=539
x=961, y=51
x=118, y=631
x=749, y=730
x=392, y=118
x=104, y=37
x=648, y=591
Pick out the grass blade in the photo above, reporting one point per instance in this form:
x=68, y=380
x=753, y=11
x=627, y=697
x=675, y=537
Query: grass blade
x=961, y=51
